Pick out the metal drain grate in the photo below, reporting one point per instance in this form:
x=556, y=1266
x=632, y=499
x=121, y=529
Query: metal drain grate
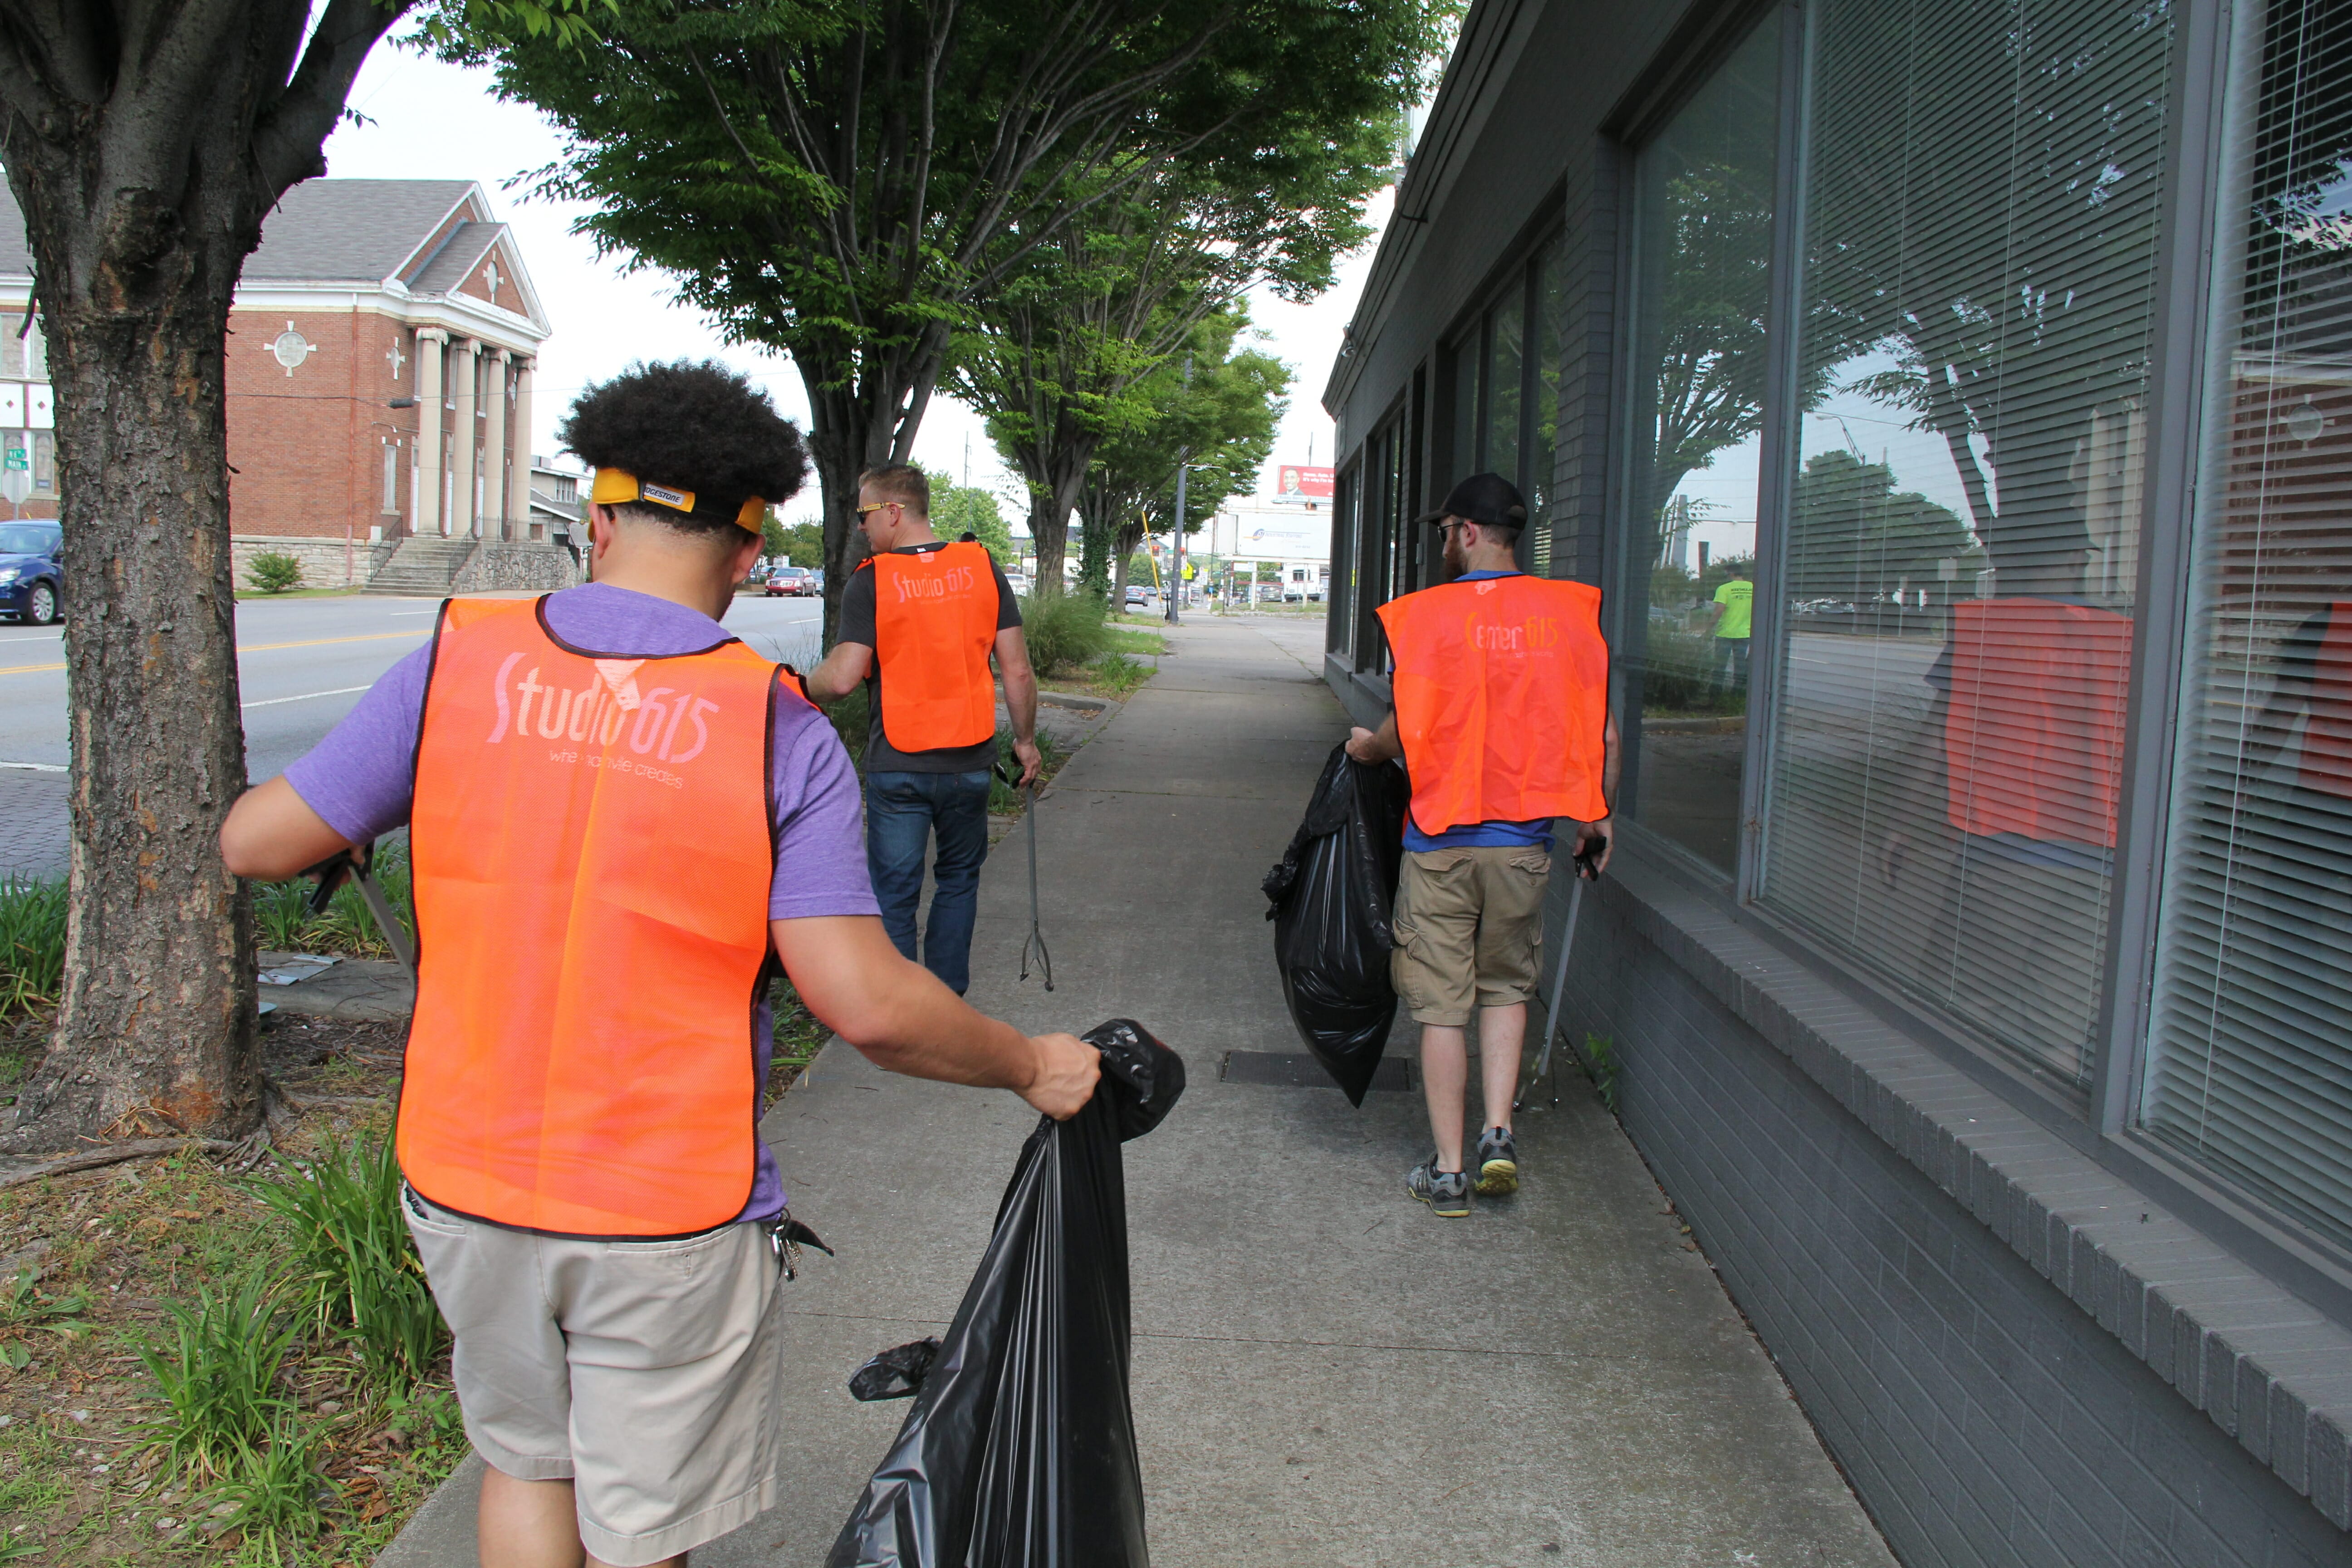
x=1276, y=1070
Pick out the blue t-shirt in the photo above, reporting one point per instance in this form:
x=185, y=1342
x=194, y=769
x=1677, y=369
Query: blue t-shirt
x=1478, y=835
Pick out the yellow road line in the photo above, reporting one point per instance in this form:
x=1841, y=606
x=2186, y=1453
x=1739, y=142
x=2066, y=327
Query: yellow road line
x=321, y=642
x=257, y=648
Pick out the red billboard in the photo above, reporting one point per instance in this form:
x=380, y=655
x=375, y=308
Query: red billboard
x=1296, y=483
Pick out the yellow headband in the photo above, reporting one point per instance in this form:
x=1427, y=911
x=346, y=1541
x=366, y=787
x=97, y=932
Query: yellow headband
x=615, y=486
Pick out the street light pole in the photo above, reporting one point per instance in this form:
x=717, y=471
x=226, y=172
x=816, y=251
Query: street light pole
x=1176, y=556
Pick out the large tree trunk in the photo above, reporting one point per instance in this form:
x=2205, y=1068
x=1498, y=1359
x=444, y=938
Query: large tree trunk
x=145, y=149
x=861, y=416
x=156, y=1032
x=1095, y=529
x=1126, y=539
x=1050, y=502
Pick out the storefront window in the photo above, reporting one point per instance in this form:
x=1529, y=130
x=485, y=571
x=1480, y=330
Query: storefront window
x=1961, y=544
x=1702, y=285
x=1506, y=346
x=1466, y=406
x=2249, y=1054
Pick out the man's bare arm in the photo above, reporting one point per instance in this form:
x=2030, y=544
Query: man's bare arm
x=902, y=1019
x=1020, y=697
x=843, y=668
x=271, y=833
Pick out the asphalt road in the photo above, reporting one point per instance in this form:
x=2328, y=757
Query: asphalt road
x=301, y=664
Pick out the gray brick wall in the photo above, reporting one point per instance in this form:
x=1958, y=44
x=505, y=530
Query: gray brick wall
x=1981, y=1415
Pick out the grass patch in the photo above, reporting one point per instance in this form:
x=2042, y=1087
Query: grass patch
x=356, y=1275
x=225, y=1365
x=343, y=593
x=1134, y=640
x=1599, y=1060
x=1118, y=675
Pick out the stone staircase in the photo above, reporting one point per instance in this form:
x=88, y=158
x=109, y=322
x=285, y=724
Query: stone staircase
x=423, y=567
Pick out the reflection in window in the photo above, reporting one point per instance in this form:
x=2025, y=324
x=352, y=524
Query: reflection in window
x=1959, y=555
x=1703, y=260
x=1551, y=310
x=1506, y=342
x=2249, y=1065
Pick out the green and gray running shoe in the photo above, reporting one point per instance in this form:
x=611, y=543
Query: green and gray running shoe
x=1447, y=1193
x=1498, y=1162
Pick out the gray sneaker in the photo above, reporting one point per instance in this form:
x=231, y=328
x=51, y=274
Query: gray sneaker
x=1447, y=1193
x=1498, y=1162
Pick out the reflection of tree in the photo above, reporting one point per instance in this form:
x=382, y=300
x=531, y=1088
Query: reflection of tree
x=1853, y=536
x=1715, y=220
x=1984, y=208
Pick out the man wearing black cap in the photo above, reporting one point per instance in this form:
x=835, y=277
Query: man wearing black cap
x=1501, y=692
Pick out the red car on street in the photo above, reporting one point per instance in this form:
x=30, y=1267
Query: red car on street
x=791, y=582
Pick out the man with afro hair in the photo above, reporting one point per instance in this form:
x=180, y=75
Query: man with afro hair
x=623, y=824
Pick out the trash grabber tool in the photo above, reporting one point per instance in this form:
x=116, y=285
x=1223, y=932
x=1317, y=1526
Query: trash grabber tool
x=1037, y=928
x=1558, y=988
x=389, y=923
x=357, y=865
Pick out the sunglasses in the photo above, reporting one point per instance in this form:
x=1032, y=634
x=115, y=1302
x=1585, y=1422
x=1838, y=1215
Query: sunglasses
x=878, y=505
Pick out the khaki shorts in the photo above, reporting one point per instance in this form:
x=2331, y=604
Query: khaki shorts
x=647, y=1374
x=1469, y=928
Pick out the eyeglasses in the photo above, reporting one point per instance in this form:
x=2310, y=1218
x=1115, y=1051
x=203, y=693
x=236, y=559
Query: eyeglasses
x=877, y=506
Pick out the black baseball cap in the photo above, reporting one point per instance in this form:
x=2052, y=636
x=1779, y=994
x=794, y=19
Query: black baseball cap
x=1489, y=498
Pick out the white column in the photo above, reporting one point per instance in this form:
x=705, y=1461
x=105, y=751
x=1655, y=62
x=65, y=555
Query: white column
x=431, y=351
x=468, y=437
x=495, y=522
x=518, y=480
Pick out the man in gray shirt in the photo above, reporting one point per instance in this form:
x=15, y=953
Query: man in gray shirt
x=919, y=620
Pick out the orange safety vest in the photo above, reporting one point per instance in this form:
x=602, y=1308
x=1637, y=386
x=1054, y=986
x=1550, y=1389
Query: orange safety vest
x=1502, y=700
x=2327, y=732
x=2033, y=734
x=934, y=624
x=592, y=850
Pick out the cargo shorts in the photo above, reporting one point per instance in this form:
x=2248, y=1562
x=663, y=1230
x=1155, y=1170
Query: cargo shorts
x=648, y=1373
x=1469, y=930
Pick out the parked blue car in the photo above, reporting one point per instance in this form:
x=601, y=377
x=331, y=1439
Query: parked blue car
x=32, y=580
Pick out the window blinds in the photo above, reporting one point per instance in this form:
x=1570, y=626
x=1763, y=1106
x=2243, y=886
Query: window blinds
x=2250, y=1058
x=1975, y=315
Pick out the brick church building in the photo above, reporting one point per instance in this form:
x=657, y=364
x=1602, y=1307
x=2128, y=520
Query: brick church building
x=380, y=358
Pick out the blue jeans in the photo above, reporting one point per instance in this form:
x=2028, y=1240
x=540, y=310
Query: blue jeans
x=901, y=811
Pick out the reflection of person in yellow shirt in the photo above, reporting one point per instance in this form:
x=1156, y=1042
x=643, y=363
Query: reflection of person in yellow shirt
x=1733, y=614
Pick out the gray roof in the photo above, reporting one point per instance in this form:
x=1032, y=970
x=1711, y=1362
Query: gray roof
x=459, y=255
x=355, y=231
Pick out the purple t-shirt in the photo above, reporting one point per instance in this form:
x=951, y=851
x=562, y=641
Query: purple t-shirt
x=359, y=777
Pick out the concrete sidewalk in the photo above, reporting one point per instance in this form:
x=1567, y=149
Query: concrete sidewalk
x=1325, y=1373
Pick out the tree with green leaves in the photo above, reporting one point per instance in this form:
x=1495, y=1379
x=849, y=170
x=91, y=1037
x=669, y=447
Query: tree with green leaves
x=146, y=141
x=1058, y=359
x=845, y=181
x=958, y=510
x=1853, y=536
x=1220, y=420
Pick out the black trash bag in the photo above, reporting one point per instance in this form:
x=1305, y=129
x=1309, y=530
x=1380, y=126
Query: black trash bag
x=1330, y=897
x=895, y=1373
x=1019, y=1449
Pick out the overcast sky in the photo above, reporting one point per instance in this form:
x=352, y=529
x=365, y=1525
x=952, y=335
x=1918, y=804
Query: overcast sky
x=423, y=120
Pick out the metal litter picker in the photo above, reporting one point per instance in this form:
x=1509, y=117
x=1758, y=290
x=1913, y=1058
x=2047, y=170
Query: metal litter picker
x=1558, y=987
x=1036, y=929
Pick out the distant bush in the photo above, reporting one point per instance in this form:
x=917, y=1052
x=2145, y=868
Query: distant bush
x=273, y=571
x=1064, y=631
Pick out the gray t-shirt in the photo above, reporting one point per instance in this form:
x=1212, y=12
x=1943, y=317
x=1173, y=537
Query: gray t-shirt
x=858, y=626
